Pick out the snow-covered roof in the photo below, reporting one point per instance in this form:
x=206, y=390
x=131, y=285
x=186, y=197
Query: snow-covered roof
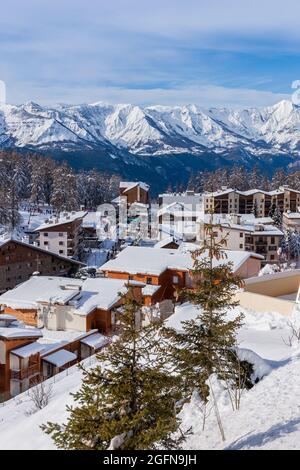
x=136, y=259
x=63, y=218
x=250, y=192
x=60, y=358
x=292, y=215
x=132, y=184
x=102, y=293
x=83, y=295
x=18, y=332
x=28, y=350
x=7, y=317
x=91, y=219
x=180, y=209
x=154, y=261
x=247, y=223
x=150, y=289
x=41, y=289
x=95, y=341
x=165, y=241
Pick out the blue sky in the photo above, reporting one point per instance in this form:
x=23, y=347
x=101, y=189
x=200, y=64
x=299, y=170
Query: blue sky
x=208, y=52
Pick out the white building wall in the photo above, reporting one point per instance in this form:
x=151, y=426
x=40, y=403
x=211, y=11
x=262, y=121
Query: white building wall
x=54, y=239
x=61, y=317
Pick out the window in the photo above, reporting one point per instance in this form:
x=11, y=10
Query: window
x=61, y=243
x=241, y=234
x=46, y=243
x=272, y=240
x=241, y=246
x=272, y=257
x=175, y=279
x=61, y=252
x=45, y=234
x=60, y=234
x=149, y=280
x=130, y=278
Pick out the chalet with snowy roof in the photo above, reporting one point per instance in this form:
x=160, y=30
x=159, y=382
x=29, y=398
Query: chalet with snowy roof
x=249, y=235
x=169, y=269
x=25, y=358
x=63, y=234
x=19, y=261
x=12, y=337
x=229, y=200
x=135, y=192
x=67, y=303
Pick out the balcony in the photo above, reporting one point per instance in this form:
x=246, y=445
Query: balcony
x=25, y=373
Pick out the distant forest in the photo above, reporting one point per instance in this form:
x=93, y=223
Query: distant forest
x=40, y=179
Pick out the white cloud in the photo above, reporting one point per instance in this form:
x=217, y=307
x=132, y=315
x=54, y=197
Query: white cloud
x=202, y=95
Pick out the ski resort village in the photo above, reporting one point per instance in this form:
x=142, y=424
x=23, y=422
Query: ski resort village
x=197, y=291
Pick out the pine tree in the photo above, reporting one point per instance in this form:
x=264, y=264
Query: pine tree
x=254, y=210
x=130, y=402
x=277, y=218
x=272, y=210
x=64, y=193
x=207, y=343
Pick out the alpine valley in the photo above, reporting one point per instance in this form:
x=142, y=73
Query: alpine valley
x=155, y=143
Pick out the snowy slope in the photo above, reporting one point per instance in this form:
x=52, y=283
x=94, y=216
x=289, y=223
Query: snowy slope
x=269, y=417
x=153, y=129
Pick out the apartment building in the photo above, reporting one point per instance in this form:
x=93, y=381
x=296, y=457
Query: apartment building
x=228, y=201
x=63, y=234
x=253, y=235
x=291, y=221
x=19, y=261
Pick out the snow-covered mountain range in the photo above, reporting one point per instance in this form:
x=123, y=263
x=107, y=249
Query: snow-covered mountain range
x=152, y=130
x=158, y=144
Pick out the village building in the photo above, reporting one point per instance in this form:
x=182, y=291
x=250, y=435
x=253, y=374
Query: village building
x=254, y=235
x=91, y=223
x=135, y=192
x=178, y=220
x=291, y=221
x=26, y=360
x=19, y=260
x=229, y=200
x=169, y=269
x=191, y=200
x=67, y=303
x=62, y=234
x=13, y=336
x=276, y=292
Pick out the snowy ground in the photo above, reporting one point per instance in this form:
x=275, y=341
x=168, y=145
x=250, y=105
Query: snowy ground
x=269, y=417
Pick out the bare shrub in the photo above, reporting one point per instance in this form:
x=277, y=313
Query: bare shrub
x=40, y=394
x=294, y=334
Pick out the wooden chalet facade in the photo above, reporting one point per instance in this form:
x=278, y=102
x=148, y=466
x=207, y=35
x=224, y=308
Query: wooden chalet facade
x=18, y=261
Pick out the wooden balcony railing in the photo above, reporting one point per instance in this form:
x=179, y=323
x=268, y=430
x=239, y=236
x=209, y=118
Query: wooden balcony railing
x=25, y=373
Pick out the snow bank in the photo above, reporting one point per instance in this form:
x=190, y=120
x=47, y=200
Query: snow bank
x=261, y=368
